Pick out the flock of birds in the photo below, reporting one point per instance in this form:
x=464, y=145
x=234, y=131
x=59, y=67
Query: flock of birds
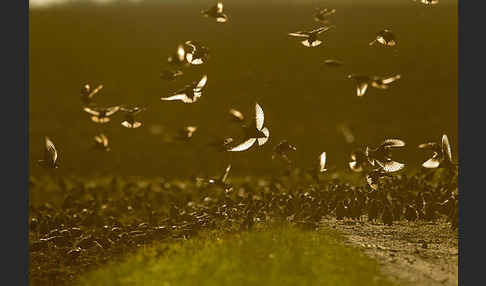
x=376, y=163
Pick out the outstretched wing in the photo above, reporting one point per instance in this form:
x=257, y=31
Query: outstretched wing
x=361, y=88
x=95, y=91
x=181, y=97
x=201, y=83
x=299, y=34
x=432, y=163
x=309, y=44
x=262, y=141
x=391, y=79
x=112, y=110
x=322, y=162
x=390, y=166
x=225, y=175
x=321, y=30
x=446, y=148
x=219, y=7
x=259, y=116
x=393, y=143
x=50, y=151
x=91, y=111
x=430, y=145
x=243, y=146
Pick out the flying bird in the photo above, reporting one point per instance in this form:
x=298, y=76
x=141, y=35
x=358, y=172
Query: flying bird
x=170, y=74
x=186, y=133
x=322, y=14
x=130, y=112
x=382, y=155
x=87, y=93
x=442, y=155
x=254, y=132
x=50, y=155
x=321, y=167
x=101, y=114
x=190, y=93
x=101, y=142
x=311, y=36
x=363, y=81
x=385, y=37
x=216, y=12
x=333, y=63
x=198, y=53
x=282, y=150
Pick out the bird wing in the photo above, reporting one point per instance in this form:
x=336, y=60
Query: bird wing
x=353, y=165
x=393, y=143
x=182, y=97
x=237, y=114
x=51, y=151
x=181, y=53
x=299, y=34
x=430, y=145
x=259, y=116
x=91, y=111
x=112, y=110
x=315, y=43
x=322, y=162
x=321, y=30
x=391, y=166
x=371, y=182
x=219, y=7
x=361, y=88
x=432, y=163
x=391, y=79
x=225, y=175
x=95, y=91
x=262, y=141
x=222, y=18
x=243, y=146
x=200, y=85
x=446, y=148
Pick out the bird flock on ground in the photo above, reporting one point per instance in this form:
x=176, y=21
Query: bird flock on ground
x=376, y=163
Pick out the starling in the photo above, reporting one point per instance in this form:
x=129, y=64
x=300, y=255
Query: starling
x=101, y=114
x=197, y=54
x=382, y=155
x=216, y=12
x=101, y=142
x=255, y=132
x=311, y=36
x=385, y=37
x=129, y=121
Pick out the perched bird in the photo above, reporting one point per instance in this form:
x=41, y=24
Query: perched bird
x=385, y=37
x=101, y=142
x=186, y=133
x=255, y=132
x=282, y=150
x=130, y=112
x=359, y=161
x=322, y=14
x=179, y=58
x=170, y=74
x=442, y=155
x=382, y=155
x=50, y=155
x=236, y=115
x=373, y=178
x=197, y=54
x=216, y=12
x=311, y=36
x=101, y=114
x=363, y=81
x=87, y=93
x=190, y=93
x=333, y=63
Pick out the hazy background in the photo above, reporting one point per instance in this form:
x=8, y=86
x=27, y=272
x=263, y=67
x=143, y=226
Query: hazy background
x=125, y=46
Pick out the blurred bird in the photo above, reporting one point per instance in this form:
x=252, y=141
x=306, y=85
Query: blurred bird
x=190, y=93
x=333, y=63
x=363, y=81
x=186, y=133
x=216, y=12
x=282, y=150
x=101, y=142
x=346, y=132
x=221, y=181
x=442, y=155
x=385, y=37
x=311, y=36
x=130, y=113
x=236, y=115
x=197, y=54
x=170, y=74
x=373, y=178
x=87, y=93
x=101, y=114
x=50, y=155
x=322, y=14
x=427, y=2
x=382, y=155
x=255, y=132
x=359, y=161
x=179, y=58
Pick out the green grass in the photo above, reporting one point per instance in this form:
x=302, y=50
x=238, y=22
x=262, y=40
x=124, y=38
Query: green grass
x=278, y=256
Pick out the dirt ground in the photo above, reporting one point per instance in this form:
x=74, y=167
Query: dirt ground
x=410, y=253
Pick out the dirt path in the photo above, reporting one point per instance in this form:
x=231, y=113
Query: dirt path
x=419, y=253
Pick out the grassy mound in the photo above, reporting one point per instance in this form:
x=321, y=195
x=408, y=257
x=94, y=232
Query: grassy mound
x=277, y=256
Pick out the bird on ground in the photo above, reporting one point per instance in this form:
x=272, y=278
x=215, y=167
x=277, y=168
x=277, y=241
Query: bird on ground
x=254, y=132
x=442, y=155
x=101, y=114
x=216, y=12
x=322, y=15
x=87, y=93
x=101, y=142
x=363, y=81
x=197, y=54
x=311, y=36
x=130, y=112
x=385, y=37
x=190, y=93
x=50, y=155
x=382, y=155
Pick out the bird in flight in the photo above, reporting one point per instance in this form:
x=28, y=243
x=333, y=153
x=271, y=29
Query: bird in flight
x=363, y=81
x=101, y=142
x=254, y=132
x=282, y=150
x=50, y=155
x=311, y=36
x=385, y=37
x=198, y=53
x=322, y=14
x=130, y=112
x=442, y=155
x=190, y=93
x=87, y=93
x=186, y=133
x=333, y=63
x=101, y=114
x=381, y=155
x=216, y=12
